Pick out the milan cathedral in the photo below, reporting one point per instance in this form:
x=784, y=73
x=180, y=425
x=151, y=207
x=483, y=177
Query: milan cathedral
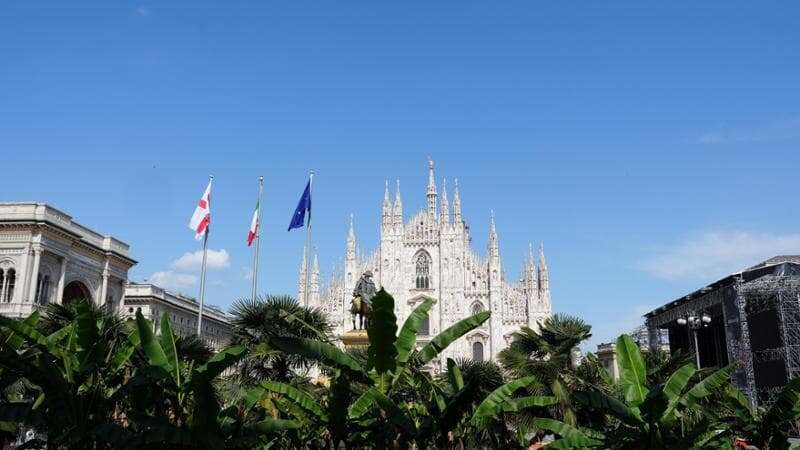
x=429, y=256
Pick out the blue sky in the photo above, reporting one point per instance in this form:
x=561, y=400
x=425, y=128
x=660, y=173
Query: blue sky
x=652, y=147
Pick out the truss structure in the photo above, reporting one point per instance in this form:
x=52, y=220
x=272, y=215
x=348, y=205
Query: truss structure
x=781, y=294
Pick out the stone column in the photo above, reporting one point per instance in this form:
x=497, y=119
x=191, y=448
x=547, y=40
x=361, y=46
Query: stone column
x=34, y=276
x=61, y=280
x=104, y=288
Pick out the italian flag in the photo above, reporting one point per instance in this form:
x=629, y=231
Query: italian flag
x=253, y=231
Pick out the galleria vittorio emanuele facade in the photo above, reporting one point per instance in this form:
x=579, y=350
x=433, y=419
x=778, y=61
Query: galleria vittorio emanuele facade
x=429, y=255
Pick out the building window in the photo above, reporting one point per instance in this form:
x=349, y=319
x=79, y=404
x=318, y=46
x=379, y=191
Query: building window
x=2, y=281
x=425, y=327
x=42, y=289
x=477, y=308
x=8, y=285
x=477, y=351
x=423, y=264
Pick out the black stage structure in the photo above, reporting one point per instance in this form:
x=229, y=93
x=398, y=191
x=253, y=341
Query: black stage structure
x=751, y=318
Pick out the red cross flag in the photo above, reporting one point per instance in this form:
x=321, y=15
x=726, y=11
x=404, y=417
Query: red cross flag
x=202, y=214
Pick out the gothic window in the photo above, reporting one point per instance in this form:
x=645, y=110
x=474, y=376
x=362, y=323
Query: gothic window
x=423, y=265
x=425, y=327
x=8, y=285
x=477, y=351
x=476, y=308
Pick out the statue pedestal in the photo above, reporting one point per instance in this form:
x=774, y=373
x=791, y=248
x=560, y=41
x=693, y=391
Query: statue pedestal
x=355, y=338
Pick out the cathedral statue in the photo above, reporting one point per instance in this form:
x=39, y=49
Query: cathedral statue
x=361, y=305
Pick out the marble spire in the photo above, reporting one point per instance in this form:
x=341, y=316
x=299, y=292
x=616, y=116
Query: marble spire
x=398, y=206
x=431, y=194
x=445, y=214
x=456, y=204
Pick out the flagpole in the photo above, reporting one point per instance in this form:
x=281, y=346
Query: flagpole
x=203, y=268
x=258, y=238
x=308, y=238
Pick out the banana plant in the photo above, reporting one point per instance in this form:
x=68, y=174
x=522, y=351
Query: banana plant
x=378, y=409
x=766, y=428
x=173, y=402
x=657, y=417
x=503, y=403
x=72, y=375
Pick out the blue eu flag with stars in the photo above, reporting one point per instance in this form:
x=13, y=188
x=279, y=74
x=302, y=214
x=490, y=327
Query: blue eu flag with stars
x=299, y=216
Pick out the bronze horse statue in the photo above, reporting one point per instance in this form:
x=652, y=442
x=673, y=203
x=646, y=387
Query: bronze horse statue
x=361, y=305
x=362, y=309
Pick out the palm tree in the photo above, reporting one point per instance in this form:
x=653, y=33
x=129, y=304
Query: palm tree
x=548, y=355
x=547, y=352
x=255, y=322
x=192, y=348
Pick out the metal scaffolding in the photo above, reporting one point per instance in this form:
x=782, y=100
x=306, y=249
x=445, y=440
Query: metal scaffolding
x=780, y=294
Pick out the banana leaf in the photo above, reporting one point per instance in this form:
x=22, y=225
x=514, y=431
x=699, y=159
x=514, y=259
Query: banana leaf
x=168, y=344
x=571, y=437
x=319, y=351
x=150, y=345
x=407, y=338
x=454, y=374
x=374, y=398
x=297, y=396
x=382, y=331
x=678, y=381
x=632, y=372
x=492, y=406
x=451, y=334
x=609, y=405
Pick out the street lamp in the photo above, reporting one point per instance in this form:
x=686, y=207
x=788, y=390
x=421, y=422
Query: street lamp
x=695, y=323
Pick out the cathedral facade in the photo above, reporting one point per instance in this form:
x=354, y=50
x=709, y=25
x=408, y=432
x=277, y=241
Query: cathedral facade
x=429, y=256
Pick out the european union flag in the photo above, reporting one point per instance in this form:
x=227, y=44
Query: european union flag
x=298, y=219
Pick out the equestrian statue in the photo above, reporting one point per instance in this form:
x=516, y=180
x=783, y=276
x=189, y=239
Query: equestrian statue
x=361, y=305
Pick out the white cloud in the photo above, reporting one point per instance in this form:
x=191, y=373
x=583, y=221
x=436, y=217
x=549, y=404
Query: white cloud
x=714, y=254
x=172, y=280
x=777, y=130
x=247, y=273
x=217, y=259
x=142, y=11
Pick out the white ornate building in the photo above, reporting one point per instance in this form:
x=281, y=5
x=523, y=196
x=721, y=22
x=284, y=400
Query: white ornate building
x=45, y=257
x=182, y=311
x=429, y=255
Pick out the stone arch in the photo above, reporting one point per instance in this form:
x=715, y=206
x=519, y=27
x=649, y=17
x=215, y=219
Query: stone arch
x=478, y=337
x=8, y=280
x=7, y=263
x=76, y=290
x=476, y=308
